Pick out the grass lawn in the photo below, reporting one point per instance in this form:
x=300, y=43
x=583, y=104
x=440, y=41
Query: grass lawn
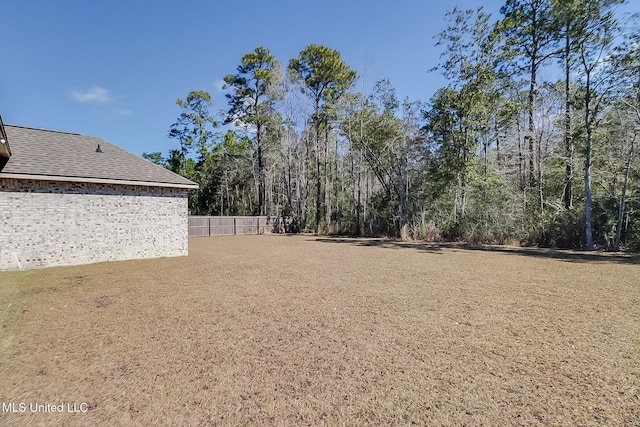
x=301, y=330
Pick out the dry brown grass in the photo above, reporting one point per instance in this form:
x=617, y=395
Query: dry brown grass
x=298, y=330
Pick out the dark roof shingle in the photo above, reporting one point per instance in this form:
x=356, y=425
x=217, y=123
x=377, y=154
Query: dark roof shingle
x=46, y=153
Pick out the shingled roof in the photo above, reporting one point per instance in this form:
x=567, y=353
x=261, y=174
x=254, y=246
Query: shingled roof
x=51, y=155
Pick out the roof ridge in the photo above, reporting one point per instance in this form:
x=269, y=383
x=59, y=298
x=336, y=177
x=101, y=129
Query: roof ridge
x=42, y=129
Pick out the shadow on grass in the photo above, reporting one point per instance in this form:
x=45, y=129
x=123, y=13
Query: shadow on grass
x=383, y=243
x=564, y=255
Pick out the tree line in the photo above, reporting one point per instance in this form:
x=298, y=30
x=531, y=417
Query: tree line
x=499, y=155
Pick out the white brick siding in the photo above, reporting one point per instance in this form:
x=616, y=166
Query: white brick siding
x=49, y=223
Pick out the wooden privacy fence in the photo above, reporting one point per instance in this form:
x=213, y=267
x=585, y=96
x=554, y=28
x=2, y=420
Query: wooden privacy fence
x=205, y=226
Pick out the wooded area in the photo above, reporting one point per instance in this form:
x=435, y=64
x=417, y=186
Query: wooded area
x=499, y=155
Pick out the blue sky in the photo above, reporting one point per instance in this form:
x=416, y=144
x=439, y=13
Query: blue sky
x=115, y=69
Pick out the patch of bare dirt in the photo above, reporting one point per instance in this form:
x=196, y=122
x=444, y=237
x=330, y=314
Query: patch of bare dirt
x=298, y=330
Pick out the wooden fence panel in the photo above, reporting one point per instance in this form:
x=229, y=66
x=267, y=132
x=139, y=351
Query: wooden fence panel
x=265, y=225
x=246, y=225
x=204, y=226
x=199, y=226
x=221, y=226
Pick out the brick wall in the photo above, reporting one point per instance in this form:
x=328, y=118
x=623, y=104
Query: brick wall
x=48, y=223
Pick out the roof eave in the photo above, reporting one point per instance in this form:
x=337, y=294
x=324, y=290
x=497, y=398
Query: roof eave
x=5, y=149
x=192, y=186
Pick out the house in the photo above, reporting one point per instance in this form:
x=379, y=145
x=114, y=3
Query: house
x=70, y=199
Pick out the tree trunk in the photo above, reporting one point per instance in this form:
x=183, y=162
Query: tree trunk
x=327, y=180
x=616, y=242
x=531, y=131
x=359, y=198
x=587, y=170
x=366, y=201
x=568, y=140
x=287, y=182
x=540, y=174
x=402, y=194
x=587, y=185
x=318, y=177
x=256, y=182
x=486, y=159
x=336, y=183
x=521, y=161
x=306, y=188
x=302, y=210
x=261, y=184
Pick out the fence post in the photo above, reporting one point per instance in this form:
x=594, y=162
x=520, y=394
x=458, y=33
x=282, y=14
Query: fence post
x=208, y=226
x=234, y=226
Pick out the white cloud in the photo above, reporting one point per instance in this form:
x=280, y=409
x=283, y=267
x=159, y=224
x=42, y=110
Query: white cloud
x=95, y=94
